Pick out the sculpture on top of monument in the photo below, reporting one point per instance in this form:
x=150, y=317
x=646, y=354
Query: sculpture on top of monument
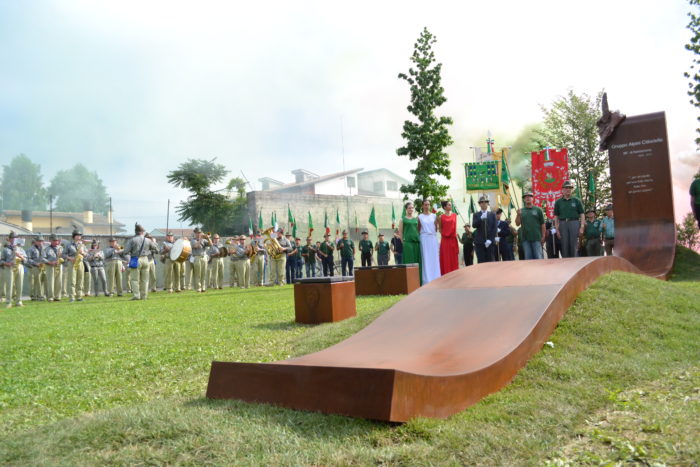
x=607, y=123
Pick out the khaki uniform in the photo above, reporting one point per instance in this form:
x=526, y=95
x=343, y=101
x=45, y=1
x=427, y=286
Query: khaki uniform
x=13, y=275
x=139, y=246
x=240, y=265
x=54, y=274
x=37, y=272
x=173, y=273
x=199, y=265
x=278, y=265
x=74, y=268
x=257, y=264
x=216, y=267
x=152, y=279
x=113, y=268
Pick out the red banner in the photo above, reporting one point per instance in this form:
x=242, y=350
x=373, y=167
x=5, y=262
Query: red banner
x=550, y=169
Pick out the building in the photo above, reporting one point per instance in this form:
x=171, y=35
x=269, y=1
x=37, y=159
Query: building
x=177, y=233
x=63, y=223
x=349, y=196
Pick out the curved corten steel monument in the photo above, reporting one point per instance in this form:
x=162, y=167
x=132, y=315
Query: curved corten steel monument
x=465, y=335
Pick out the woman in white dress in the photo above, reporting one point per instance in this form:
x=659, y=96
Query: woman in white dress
x=429, y=248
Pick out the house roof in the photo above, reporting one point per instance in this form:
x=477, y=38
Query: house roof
x=97, y=219
x=313, y=181
x=393, y=174
x=5, y=228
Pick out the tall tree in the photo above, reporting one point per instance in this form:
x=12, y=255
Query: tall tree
x=215, y=210
x=688, y=234
x=694, y=46
x=77, y=189
x=427, y=137
x=570, y=121
x=22, y=185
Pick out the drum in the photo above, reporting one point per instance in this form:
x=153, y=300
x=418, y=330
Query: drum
x=223, y=251
x=181, y=250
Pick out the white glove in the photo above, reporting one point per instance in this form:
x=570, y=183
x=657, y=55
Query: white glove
x=498, y=230
x=487, y=244
x=498, y=239
x=553, y=231
x=484, y=215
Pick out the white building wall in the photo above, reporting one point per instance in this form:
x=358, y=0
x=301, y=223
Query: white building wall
x=335, y=186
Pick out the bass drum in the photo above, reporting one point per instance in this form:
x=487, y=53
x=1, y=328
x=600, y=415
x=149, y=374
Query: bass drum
x=181, y=250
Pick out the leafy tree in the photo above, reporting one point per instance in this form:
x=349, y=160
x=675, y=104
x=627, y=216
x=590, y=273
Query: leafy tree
x=694, y=46
x=426, y=138
x=528, y=140
x=216, y=211
x=688, y=232
x=77, y=189
x=570, y=122
x=22, y=186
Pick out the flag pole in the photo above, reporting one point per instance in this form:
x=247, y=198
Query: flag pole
x=167, y=217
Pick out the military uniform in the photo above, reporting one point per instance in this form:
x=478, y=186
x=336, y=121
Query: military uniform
x=366, y=249
x=73, y=254
x=326, y=249
x=240, y=266
x=113, y=264
x=257, y=265
x=347, y=255
x=568, y=212
x=308, y=252
x=96, y=259
x=173, y=273
x=52, y=258
x=139, y=246
x=12, y=258
x=199, y=264
x=216, y=266
x=467, y=241
x=37, y=270
x=152, y=253
x=383, y=248
x=592, y=233
x=278, y=264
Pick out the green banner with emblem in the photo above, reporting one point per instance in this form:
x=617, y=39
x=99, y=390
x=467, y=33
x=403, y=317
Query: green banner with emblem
x=482, y=176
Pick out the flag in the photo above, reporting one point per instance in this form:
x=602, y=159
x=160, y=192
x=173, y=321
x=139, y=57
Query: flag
x=373, y=218
x=357, y=227
x=311, y=224
x=337, y=222
x=325, y=222
x=489, y=143
x=505, y=179
x=550, y=168
x=290, y=216
x=250, y=226
x=274, y=221
x=591, y=187
x=454, y=206
x=510, y=209
x=472, y=206
x=403, y=211
x=260, y=222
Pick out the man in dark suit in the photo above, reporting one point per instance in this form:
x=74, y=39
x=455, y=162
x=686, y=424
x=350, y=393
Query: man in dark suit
x=484, y=221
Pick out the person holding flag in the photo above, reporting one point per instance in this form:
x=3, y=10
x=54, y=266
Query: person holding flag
x=449, y=249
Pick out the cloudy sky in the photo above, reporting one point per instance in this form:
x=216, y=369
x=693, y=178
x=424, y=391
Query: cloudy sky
x=133, y=88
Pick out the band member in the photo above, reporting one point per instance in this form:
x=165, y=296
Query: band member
x=199, y=261
x=96, y=259
x=278, y=264
x=326, y=251
x=53, y=260
x=73, y=254
x=240, y=264
x=12, y=259
x=257, y=265
x=37, y=269
x=152, y=253
x=216, y=263
x=139, y=247
x=114, y=265
x=308, y=252
x=173, y=274
x=291, y=264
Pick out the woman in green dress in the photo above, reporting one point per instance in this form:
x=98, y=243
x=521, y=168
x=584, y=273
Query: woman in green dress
x=408, y=229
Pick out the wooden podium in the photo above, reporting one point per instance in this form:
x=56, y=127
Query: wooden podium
x=324, y=299
x=397, y=279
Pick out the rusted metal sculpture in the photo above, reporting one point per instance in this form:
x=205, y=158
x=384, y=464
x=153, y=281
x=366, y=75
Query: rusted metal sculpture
x=466, y=334
x=607, y=123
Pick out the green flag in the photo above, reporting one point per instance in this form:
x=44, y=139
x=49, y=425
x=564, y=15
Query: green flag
x=273, y=221
x=357, y=226
x=373, y=219
x=472, y=206
x=260, y=222
x=250, y=226
x=290, y=216
x=403, y=211
x=325, y=222
x=393, y=217
x=510, y=208
x=337, y=222
x=311, y=224
x=505, y=179
x=591, y=187
x=454, y=206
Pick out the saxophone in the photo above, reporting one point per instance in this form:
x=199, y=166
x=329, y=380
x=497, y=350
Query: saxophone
x=272, y=246
x=78, y=259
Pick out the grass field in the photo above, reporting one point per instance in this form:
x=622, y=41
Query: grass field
x=108, y=381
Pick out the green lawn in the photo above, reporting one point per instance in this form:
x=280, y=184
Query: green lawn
x=109, y=381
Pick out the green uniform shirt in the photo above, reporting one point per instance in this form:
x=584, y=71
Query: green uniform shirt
x=695, y=190
x=366, y=246
x=467, y=240
x=571, y=208
x=346, y=247
x=310, y=251
x=383, y=248
x=531, y=220
x=297, y=255
x=593, y=229
x=327, y=248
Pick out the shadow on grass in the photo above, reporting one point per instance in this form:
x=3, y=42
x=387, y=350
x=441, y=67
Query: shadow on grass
x=686, y=266
x=309, y=424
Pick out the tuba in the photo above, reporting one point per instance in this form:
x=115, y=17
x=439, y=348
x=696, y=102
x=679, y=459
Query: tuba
x=272, y=246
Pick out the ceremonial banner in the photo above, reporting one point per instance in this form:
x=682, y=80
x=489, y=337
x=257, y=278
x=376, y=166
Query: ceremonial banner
x=550, y=169
x=482, y=176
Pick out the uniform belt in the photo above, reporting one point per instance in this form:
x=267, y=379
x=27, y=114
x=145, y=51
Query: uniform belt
x=569, y=220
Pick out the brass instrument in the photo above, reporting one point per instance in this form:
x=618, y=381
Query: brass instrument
x=78, y=261
x=272, y=246
x=252, y=250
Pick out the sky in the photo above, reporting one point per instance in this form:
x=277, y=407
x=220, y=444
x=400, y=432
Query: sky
x=134, y=88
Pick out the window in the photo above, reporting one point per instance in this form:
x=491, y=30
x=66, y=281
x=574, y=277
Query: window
x=378, y=187
x=351, y=182
x=392, y=185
